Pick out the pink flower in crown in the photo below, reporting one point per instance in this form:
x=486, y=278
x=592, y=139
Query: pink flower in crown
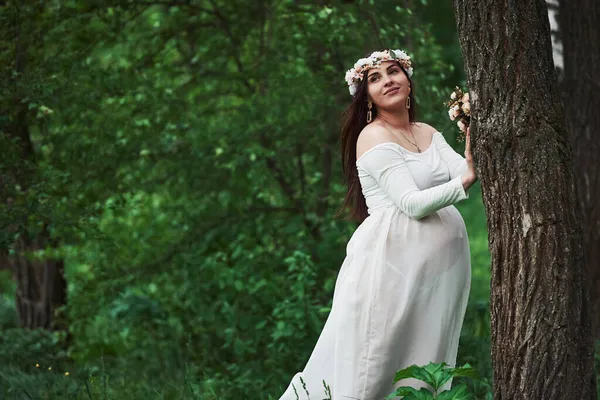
x=380, y=54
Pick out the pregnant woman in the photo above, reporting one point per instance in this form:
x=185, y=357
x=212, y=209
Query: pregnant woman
x=402, y=290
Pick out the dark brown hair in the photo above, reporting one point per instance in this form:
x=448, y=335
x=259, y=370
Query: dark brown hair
x=354, y=119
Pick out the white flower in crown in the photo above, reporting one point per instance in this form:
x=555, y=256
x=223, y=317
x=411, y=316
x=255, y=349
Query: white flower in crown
x=355, y=75
x=349, y=76
x=400, y=54
x=379, y=54
x=361, y=63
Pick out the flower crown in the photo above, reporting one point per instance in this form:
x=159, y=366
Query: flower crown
x=355, y=75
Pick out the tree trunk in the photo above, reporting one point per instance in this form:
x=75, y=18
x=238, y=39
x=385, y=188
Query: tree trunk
x=542, y=346
x=580, y=36
x=41, y=286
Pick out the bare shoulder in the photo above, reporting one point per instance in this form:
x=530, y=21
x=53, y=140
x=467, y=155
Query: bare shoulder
x=372, y=135
x=425, y=129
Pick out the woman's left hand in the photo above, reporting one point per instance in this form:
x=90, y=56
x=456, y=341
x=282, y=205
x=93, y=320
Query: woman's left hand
x=471, y=173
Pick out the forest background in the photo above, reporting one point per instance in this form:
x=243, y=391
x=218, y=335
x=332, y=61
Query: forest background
x=176, y=166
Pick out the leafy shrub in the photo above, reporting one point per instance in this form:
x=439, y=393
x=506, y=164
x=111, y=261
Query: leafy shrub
x=23, y=349
x=8, y=313
x=436, y=375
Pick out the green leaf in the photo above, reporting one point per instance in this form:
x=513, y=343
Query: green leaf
x=459, y=392
x=439, y=373
x=435, y=374
x=442, y=379
x=414, y=371
x=465, y=370
x=410, y=393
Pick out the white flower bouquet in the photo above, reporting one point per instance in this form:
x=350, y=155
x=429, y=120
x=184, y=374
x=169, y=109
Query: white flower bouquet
x=459, y=109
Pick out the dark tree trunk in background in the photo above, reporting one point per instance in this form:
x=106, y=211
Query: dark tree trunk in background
x=41, y=286
x=580, y=36
x=540, y=325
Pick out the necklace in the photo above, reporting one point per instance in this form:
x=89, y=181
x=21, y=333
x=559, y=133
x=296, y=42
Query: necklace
x=409, y=141
x=414, y=144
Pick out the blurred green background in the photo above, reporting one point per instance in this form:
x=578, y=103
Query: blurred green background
x=187, y=165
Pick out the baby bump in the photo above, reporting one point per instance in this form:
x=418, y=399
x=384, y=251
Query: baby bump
x=426, y=248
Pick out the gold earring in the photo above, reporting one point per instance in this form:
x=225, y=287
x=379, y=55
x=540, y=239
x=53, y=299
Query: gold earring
x=408, y=102
x=369, y=113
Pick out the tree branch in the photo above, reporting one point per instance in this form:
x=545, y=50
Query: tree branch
x=234, y=41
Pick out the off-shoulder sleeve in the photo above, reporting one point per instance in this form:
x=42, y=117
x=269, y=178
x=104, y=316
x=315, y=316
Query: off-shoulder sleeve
x=457, y=165
x=387, y=166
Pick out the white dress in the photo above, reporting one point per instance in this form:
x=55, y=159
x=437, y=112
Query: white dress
x=402, y=290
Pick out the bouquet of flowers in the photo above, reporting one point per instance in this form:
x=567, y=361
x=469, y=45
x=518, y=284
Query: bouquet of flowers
x=460, y=109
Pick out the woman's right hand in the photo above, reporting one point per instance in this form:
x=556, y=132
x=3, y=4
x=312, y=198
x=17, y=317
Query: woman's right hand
x=470, y=176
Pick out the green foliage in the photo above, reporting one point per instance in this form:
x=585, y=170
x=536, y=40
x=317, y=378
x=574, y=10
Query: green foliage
x=326, y=390
x=436, y=375
x=23, y=349
x=185, y=160
x=8, y=313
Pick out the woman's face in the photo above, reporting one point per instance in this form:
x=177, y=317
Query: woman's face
x=388, y=86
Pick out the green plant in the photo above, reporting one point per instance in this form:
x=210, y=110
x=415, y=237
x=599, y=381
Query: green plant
x=325, y=386
x=435, y=375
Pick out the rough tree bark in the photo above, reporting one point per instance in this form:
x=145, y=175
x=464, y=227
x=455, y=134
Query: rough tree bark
x=542, y=346
x=579, y=26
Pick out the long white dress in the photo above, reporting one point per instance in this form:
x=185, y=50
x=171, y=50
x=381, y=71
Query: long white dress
x=401, y=293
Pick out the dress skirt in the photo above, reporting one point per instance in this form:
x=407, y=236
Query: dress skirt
x=399, y=299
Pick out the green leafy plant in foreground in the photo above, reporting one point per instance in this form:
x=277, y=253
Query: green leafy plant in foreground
x=435, y=375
